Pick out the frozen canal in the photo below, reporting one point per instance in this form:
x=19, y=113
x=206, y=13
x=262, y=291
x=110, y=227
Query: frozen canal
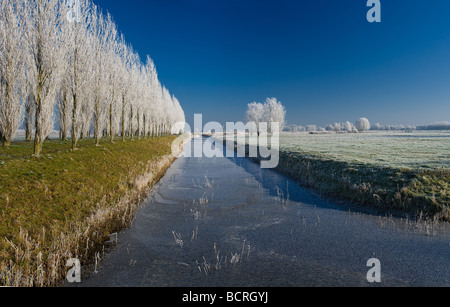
x=226, y=222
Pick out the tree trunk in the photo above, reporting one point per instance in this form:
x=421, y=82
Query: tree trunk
x=29, y=119
x=145, y=126
x=74, y=123
x=131, y=123
x=37, y=132
x=111, y=135
x=8, y=124
x=123, y=119
x=138, y=127
x=97, y=135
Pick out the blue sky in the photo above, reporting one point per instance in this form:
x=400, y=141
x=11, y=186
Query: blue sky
x=321, y=58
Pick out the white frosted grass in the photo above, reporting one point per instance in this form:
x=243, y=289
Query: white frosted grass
x=418, y=150
x=415, y=150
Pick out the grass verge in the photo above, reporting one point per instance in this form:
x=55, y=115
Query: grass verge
x=65, y=204
x=409, y=191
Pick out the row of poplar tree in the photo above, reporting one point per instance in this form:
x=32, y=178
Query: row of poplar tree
x=64, y=64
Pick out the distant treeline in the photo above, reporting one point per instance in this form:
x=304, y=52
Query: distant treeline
x=375, y=127
x=435, y=126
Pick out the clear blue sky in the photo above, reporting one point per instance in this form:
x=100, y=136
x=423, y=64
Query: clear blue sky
x=321, y=58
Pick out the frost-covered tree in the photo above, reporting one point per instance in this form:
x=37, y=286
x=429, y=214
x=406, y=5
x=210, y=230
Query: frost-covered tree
x=137, y=100
x=64, y=112
x=41, y=33
x=310, y=128
x=294, y=128
x=126, y=64
x=113, y=83
x=134, y=94
x=12, y=57
x=179, y=118
x=255, y=113
x=77, y=47
x=272, y=111
x=153, y=97
x=64, y=63
x=337, y=127
x=168, y=106
x=101, y=30
x=362, y=124
x=158, y=109
x=348, y=126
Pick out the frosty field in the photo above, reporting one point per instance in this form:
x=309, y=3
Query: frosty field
x=419, y=150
